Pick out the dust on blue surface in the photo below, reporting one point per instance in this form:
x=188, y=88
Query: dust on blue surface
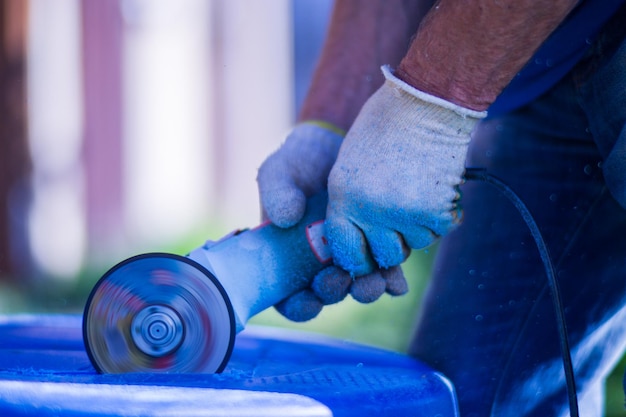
x=307, y=370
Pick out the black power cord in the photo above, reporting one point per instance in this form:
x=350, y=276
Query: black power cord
x=482, y=175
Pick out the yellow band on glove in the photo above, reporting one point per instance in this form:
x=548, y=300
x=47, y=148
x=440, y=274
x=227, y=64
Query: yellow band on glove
x=328, y=126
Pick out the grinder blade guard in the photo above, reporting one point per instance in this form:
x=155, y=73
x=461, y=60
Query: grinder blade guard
x=161, y=312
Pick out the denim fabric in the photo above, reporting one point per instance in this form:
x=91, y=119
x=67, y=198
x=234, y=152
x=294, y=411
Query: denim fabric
x=487, y=320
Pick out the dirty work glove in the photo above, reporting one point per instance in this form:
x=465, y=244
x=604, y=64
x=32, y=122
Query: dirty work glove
x=297, y=170
x=332, y=285
x=396, y=178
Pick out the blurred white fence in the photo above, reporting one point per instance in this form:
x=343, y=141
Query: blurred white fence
x=149, y=118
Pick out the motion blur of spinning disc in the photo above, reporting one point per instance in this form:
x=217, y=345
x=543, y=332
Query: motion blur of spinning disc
x=158, y=313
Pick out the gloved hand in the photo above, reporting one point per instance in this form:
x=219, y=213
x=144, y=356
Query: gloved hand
x=297, y=170
x=395, y=181
x=332, y=285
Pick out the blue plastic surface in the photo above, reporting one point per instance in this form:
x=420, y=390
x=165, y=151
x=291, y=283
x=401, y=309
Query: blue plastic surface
x=44, y=370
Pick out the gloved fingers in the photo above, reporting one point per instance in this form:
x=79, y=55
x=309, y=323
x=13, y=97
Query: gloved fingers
x=301, y=306
x=395, y=281
x=420, y=237
x=348, y=245
x=368, y=288
x=282, y=202
x=331, y=285
x=387, y=246
x=298, y=169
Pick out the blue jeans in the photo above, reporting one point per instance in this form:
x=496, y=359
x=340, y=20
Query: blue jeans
x=487, y=321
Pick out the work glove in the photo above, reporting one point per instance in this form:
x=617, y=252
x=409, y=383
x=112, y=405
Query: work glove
x=395, y=181
x=296, y=171
x=333, y=284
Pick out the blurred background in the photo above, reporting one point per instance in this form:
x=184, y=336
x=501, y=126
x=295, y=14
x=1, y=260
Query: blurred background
x=130, y=126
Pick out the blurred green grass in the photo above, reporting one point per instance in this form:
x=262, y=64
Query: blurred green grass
x=387, y=323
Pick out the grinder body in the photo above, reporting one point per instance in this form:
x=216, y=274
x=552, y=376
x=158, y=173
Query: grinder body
x=161, y=312
x=262, y=266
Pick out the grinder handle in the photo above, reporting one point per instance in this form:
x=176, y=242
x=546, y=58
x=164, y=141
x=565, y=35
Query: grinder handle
x=259, y=267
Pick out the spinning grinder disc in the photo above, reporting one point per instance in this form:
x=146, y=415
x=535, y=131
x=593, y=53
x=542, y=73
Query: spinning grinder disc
x=158, y=312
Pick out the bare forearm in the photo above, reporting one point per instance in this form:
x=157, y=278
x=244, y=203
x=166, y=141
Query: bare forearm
x=468, y=51
x=363, y=35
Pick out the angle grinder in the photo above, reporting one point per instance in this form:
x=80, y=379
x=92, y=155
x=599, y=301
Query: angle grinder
x=160, y=312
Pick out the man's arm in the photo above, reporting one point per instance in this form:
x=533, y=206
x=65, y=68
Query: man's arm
x=466, y=52
x=362, y=36
x=395, y=180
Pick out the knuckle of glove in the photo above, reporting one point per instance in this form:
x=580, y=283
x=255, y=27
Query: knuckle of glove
x=395, y=281
x=301, y=306
x=331, y=285
x=368, y=288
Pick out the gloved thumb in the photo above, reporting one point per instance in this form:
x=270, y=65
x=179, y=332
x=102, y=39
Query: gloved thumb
x=297, y=170
x=282, y=201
